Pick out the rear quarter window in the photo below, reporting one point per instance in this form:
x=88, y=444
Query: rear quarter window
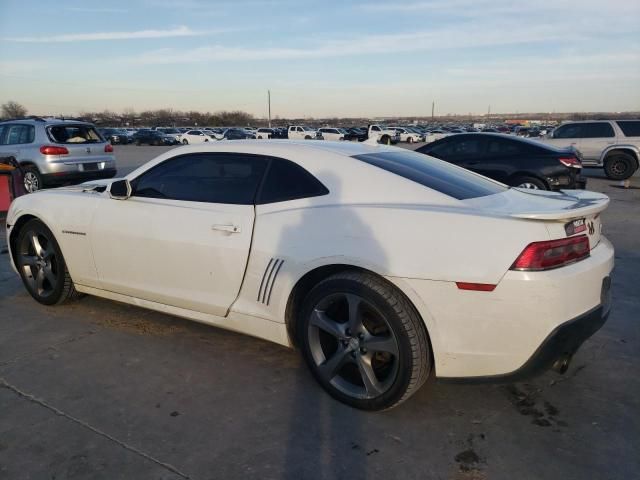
x=435, y=174
x=630, y=128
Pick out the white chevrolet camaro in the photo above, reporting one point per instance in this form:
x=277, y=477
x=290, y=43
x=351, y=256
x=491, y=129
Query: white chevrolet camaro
x=381, y=265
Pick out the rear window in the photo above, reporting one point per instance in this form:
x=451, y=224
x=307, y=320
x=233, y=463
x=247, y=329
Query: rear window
x=74, y=134
x=630, y=128
x=434, y=174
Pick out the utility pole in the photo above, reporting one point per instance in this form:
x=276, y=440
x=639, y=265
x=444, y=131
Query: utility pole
x=269, y=104
x=489, y=111
x=433, y=108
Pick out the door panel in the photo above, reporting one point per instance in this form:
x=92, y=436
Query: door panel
x=187, y=254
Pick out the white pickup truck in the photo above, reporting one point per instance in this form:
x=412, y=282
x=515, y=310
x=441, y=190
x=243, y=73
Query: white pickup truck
x=382, y=134
x=610, y=144
x=300, y=132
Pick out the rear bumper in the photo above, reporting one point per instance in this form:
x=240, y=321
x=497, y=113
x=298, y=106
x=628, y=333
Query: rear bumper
x=560, y=345
x=77, y=177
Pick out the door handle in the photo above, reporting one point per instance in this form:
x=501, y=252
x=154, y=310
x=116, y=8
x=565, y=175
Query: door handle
x=226, y=228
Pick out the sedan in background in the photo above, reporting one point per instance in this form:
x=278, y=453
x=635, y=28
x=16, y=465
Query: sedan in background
x=193, y=136
x=115, y=136
x=237, y=134
x=511, y=160
x=151, y=137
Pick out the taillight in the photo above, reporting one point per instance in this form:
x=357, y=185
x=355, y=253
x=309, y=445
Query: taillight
x=572, y=162
x=552, y=253
x=53, y=150
x=108, y=148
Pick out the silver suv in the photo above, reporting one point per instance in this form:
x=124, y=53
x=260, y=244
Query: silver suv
x=52, y=151
x=612, y=144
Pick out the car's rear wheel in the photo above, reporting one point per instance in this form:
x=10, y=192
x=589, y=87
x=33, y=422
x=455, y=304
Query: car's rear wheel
x=32, y=179
x=41, y=265
x=363, y=341
x=619, y=166
x=307, y=137
x=529, y=182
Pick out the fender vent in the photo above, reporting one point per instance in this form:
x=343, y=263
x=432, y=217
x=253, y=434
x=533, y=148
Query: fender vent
x=269, y=280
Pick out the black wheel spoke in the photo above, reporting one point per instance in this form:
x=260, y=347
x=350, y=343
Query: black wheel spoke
x=35, y=243
x=381, y=344
x=29, y=260
x=323, y=322
x=355, y=321
x=40, y=280
x=369, y=379
x=50, y=276
x=332, y=366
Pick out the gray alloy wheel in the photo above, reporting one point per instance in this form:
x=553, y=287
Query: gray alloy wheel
x=530, y=185
x=363, y=340
x=41, y=265
x=32, y=182
x=357, y=354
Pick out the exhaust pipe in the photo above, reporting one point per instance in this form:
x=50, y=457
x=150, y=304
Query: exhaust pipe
x=562, y=364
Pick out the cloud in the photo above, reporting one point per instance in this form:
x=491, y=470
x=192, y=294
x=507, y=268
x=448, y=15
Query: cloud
x=181, y=31
x=417, y=41
x=96, y=10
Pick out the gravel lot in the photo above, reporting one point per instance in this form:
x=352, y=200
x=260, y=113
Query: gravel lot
x=101, y=390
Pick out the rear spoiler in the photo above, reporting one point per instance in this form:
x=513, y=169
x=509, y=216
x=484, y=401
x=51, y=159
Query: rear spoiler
x=583, y=204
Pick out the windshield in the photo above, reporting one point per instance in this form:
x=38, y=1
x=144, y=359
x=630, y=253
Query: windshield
x=74, y=134
x=307, y=129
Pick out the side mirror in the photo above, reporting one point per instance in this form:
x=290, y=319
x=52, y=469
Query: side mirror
x=120, y=189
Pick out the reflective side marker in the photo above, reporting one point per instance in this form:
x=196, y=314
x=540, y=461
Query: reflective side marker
x=478, y=287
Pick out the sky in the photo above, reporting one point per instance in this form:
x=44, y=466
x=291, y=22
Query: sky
x=321, y=59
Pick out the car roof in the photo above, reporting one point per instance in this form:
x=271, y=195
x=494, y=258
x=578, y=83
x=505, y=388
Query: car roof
x=504, y=136
x=46, y=121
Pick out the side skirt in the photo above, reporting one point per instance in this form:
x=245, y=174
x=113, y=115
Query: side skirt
x=246, y=324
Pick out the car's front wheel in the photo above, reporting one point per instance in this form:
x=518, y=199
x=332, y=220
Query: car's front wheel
x=32, y=179
x=41, y=265
x=363, y=341
x=185, y=142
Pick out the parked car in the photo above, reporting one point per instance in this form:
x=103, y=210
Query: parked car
x=301, y=132
x=115, y=136
x=54, y=152
x=407, y=135
x=356, y=133
x=193, y=136
x=152, y=137
x=382, y=134
x=511, y=160
x=330, y=133
x=237, y=134
x=174, y=133
x=612, y=145
x=265, y=133
x=503, y=284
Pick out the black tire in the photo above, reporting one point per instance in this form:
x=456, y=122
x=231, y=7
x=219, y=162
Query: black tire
x=307, y=137
x=619, y=166
x=385, y=140
x=386, y=317
x=529, y=182
x=409, y=139
x=138, y=143
x=32, y=179
x=41, y=265
x=185, y=142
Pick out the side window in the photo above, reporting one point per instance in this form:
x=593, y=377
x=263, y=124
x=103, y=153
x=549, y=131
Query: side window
x=568, y=131
x=299, y=129
x=504, y=148
x=630, y=128
x=466, y=147
x=375, y=129
x=19, y=134
x=286, y=180
x=442, y=150
x=2, y=130
x=204, y=177
x=597, y=130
